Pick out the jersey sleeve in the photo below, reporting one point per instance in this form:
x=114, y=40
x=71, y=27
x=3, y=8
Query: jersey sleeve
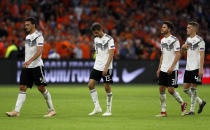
x=111, y=44
x=40, y=41
x=202, y=46
x=177, y=46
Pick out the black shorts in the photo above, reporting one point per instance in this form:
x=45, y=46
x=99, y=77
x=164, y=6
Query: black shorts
x=168, y=80
x=97, y=75
x=192, y=77
x=29, y=76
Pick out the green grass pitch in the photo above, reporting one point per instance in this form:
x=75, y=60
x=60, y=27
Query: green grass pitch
x=134, y=108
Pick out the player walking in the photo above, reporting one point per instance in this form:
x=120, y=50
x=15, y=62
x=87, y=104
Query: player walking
x=104, y=47
x=195, y=47
x=168, y=68
x=32, y=71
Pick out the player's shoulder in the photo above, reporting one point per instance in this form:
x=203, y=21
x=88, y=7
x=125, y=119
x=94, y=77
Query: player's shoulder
x=174, y=38
x=108, y=36
x=199, y=38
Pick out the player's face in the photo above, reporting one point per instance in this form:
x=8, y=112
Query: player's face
x=97, y=33
x=28, y=27
x=190, y=29
x=164, y=29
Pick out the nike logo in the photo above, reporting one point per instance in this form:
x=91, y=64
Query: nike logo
x=129, y=76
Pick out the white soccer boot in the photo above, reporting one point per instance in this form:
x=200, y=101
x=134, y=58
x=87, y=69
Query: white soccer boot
x=107, y=113
x=95, y=111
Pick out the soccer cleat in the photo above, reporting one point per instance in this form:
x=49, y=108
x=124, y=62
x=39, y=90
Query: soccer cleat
x=107, y=114
x=189, y=113
x=201, y=106
x=95, y=111
x=183, y=108
x=50, y=113
x=13, y=114
x=162, y=114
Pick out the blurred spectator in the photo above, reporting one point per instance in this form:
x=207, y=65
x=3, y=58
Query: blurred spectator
x=11, y=52
x=77, y=52
x=53, y=54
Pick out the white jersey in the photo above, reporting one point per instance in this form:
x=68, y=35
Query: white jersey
x=102, y=47
x=169, y=46
x=193, y=53
x=31, y=42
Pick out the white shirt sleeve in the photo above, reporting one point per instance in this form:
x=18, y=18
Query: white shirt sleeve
x=40, y=41
x=202, y=46
x=111, y=44
x=177, y=46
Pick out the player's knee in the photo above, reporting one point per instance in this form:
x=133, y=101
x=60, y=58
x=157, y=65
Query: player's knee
x=108, y=90
x=41, y=89
x=171, y=91
x=23, y=88
x=90, y=86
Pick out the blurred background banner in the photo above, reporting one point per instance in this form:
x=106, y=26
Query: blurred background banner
x=78, y=71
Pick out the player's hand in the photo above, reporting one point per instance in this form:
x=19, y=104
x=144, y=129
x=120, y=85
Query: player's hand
x=26, y=64
x=170, y=70
x=158, y=73
x=185, y=46
x=200, y=73
x=104, y=73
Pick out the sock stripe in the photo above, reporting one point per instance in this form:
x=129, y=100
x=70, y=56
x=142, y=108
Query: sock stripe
x=92, y=91
x=22, y=92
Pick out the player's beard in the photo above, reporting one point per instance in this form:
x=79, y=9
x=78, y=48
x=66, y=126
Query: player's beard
x=27, y=32
x=164, y=32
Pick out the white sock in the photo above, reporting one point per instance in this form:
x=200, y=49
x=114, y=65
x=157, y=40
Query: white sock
x=188, y=92
x=163, y=102
x=48, y=99
x=178, y=97
x=109, y=101
x=20, y=100
x=94, y=96
x=193, y=99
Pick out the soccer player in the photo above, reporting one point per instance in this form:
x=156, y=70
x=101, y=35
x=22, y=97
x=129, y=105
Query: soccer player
x=32, y=71
x=104, y=47
x=168, y=68
x=195, y=47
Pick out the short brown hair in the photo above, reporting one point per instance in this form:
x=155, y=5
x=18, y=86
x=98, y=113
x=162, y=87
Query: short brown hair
x=194, y=24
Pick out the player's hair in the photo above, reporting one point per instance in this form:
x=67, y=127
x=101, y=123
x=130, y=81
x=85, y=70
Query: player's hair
x=194, y=24
x=169, y=24
x=32, y=20
x=95, y=26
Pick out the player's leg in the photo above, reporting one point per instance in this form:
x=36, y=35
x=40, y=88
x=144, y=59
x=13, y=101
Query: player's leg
x=178, y=98
x=40, y=82
x=188, y=79
x=20, y=100
x=107, y=81
x=26, y=80
x=193, y=99
x=162, y=101
x=47, y=96
x=94, y=95
x=195, y=81
x=172, y=81
x=162, y=82
x=187, y=90
x=107, y=87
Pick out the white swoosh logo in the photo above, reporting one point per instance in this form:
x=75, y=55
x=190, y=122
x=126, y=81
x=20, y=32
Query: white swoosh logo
x=129, y=76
